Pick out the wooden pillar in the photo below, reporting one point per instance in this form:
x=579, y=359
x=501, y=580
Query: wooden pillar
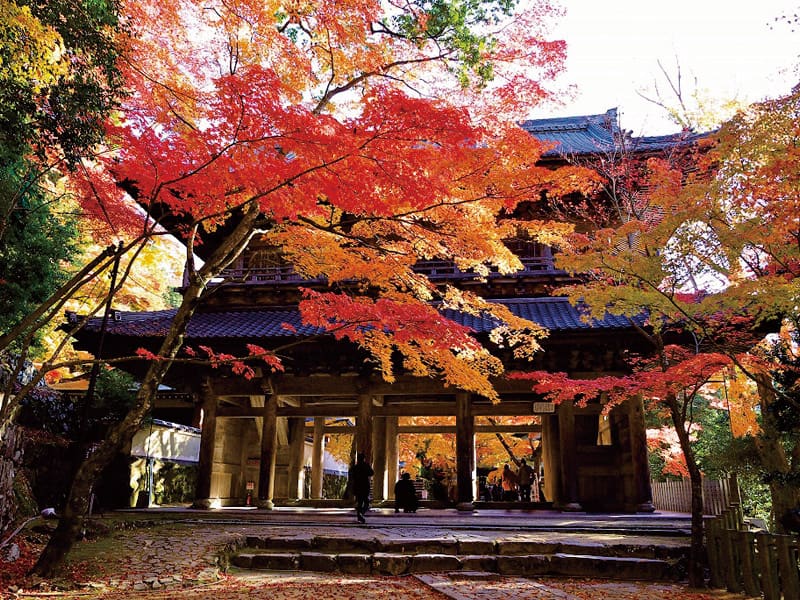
x=379, y=459
x=465, y=452
x=364, y=426
x=197, y=413
x=643, y=500
x=392, y=456
x=551, y=459
x=208, y=435
x=244, y=453
x=297, y=444
x=269, y=450
x=569, y=459
x=317, y=458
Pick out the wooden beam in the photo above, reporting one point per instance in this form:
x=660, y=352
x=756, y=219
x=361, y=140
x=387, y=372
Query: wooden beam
x=424, y=429
x=321, y=410
x=569, y=460
x=297, y=438
x=433, y=408
x=417, y=409
x=364, y=427
x=339, y=386
x=641, y=466
x=379, y=459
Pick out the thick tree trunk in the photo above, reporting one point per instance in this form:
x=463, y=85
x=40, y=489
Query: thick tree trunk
x=774, y=460
x=77, y=503
x=695, y=567
x=52, y=558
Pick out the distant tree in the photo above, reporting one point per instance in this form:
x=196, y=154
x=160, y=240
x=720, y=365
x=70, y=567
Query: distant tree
x=692, y=107
x=34, y=251
x=58, y=84
x=60, y=78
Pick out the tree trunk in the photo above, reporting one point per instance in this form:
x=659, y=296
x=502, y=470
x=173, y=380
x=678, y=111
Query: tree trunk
x=11, y=450
x=774, y=460
x=77, y=502
x=504, y=443
x=696, y=552
x=71, y=521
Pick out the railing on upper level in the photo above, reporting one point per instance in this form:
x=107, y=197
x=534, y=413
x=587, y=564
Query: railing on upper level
x=434, y=269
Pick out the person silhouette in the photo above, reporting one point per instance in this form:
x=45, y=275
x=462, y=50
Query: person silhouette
x=405, y=494
x=526, y=477
x=360, y=475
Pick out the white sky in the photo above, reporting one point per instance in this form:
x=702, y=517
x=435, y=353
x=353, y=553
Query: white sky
x=613, y=48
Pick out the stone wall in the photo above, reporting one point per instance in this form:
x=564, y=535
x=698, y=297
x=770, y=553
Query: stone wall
x=11, y=454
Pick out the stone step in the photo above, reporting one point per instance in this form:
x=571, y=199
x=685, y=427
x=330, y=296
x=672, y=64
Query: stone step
x=521, y=565
x=467, y=546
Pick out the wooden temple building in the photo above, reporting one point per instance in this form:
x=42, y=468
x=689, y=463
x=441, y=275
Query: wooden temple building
x=256, y=431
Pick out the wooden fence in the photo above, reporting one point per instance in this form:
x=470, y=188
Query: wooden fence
x=754, y=563
x=676, y=496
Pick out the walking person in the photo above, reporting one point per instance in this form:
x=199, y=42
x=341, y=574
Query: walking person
x=509, y=483
x=360, y=475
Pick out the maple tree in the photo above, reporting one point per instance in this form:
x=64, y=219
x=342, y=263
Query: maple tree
x=752, y=207
x=699, y=249
x=358, y=137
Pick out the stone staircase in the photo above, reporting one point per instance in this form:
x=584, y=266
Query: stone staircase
x=601, y=556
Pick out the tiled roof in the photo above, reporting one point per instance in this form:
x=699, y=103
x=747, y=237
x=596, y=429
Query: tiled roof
x=590, y=134
x=582, y=135
x=219, y=324
x=556, y=314
x=659, y=142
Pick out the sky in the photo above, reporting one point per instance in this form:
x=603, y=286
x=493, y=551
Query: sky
x=733, y=49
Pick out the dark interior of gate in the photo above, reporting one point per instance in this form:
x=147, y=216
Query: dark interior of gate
x=588, y=461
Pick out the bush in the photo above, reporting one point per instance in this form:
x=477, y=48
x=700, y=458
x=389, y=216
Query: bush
x=175, y=483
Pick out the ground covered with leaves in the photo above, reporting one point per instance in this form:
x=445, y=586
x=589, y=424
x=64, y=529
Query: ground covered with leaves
x=315, y=586
x=91, y=574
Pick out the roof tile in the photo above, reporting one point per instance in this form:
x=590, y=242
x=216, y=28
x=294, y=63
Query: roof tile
x=556, y=314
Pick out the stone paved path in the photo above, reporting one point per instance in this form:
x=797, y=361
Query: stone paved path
x=481, y=586
x=178, y=559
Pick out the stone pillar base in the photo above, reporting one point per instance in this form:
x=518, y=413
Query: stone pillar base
x=465, y=506
x=646, y=507
x=265, y=504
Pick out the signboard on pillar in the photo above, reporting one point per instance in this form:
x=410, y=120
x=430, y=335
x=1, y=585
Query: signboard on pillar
x=544, y=408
